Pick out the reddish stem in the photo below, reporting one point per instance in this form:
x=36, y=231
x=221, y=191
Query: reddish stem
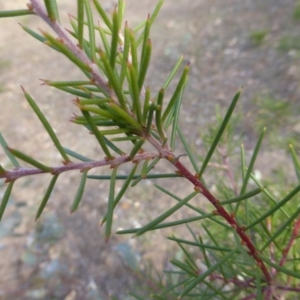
x=222, y=212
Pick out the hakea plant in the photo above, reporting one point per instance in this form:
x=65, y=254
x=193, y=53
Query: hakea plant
x=114, y=100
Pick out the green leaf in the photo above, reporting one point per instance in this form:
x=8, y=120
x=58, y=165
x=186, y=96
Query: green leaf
x=252, y=162
x=177, y=92
x=275, y=207
x=196, y=209
x=80, y=22
x=137, y=147
x=280, y=268
x=52, y=11
x=97, y=133
x=144, y=64
x=188, y=150
x=242, y=197
x=152, y=19
x=176, y=119
x=90, y=23
x=169, y=224
x=146, y=104
x=133, y=48
x=166, y=214
x=295, y=161
x=135, y=94
x=114, y=81
x=219, y=133
x=126, y=47
x=283, y=227
x=47, y=126
x=150, y=118
x=126, y=117
x=139, y=177
x=80, y=191
x=113, y=147
x=30, y=160
x=205, y=274
x=15, y=13
x=158, y=113
x=123, y=189
x=110, y=208
x=7, y=152
x=103, y=15
x=77, y=155
x=5, y=198
x=46, y=196
x=114, y=39
x=68, y=53
x=200, y=245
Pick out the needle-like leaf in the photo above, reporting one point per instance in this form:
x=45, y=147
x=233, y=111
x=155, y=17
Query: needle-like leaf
x=110, y=208
x=80, y=22
x=5, y=198
x=46, y=196
x=47, y=125
x=30, y=160
x=8, y=153
x=219, y=133
x=166, y=214
x=80, y=191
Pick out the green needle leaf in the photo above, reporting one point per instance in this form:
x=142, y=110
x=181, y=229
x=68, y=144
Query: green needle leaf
x=114, y=39
x=103, y=15
x=30, y=160
x=126, y=47
x=242, y=197
x=280, y=269
x=110, y=209
x=125, y=116
x=97, y=133
x=114, y=81
x=133, y=48
x=166, y=214
x=150, y=118
x=188, y=150
x=200, y=278
x=282, y=228
x=295, y=161
x=173, y=73
x=77, y=155
x=168, y=224
x=90, y=23
x=275, y=207
x=47, y=126
x=15, y=13
x=123, y=189
x=68, y=53
x=158, y=111
x=7, y=152
x=138, y=145
x=80, y=24
x=219, y=134
x=135, y=93
x=5, y=198
x=176, y=119
x=146, y=104
x=144, y=64
x=47, y=196
x=51, y=7
x=80, y=191
x=177, y=91
x=252, y=162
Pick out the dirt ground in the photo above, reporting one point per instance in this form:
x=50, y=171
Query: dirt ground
x=64, y=256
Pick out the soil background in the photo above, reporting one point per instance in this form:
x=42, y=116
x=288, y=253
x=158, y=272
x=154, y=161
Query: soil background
x=64, y=256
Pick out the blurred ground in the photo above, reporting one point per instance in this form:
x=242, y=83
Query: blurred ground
x=232, y=43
